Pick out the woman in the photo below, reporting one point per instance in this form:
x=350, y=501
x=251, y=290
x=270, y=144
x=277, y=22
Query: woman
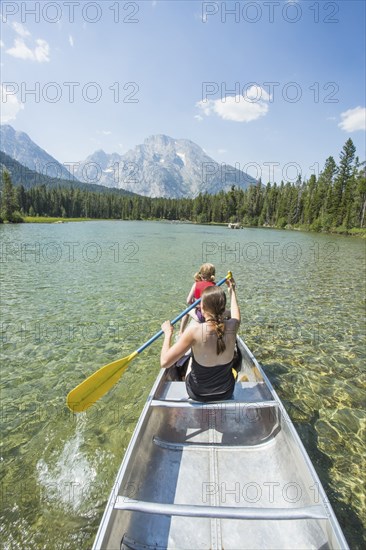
x=212, y=344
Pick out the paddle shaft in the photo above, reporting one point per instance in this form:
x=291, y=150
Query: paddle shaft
x=177, y=318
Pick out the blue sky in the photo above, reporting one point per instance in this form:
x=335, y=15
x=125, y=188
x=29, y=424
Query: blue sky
x=271, y=87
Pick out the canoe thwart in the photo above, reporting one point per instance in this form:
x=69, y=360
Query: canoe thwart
x=224, y=512
x=169, y=445
x=218, y=405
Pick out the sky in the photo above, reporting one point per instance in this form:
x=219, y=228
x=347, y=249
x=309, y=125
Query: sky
x=271, y=87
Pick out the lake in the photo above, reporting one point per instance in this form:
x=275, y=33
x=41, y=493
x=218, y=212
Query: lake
x=77, y=296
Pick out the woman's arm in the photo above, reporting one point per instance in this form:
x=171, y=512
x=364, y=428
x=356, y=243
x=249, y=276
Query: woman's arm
x=190, y=297
x=234, y=307
x=169, y=355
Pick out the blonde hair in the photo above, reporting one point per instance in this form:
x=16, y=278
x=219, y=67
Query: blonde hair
x=214, y=303
x=206, y=273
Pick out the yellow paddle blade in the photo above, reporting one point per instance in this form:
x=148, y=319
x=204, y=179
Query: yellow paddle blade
x=93, y=388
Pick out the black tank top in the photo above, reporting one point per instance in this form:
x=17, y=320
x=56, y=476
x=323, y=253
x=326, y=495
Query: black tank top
x=210, y=383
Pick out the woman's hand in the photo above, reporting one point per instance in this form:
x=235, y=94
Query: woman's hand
x=231, y=283
x=167, y=328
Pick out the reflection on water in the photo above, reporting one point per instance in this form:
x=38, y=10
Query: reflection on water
x=77, y=296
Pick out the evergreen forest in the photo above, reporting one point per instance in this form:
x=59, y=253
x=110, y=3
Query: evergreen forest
x=333, y=201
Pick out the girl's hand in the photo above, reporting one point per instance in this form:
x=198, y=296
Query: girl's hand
x=167, y=328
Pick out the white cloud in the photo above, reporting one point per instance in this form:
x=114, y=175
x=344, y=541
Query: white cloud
x=20, y=29
x=353, y=120
x=198, y=117
x=10, y=106
x=20, y=50
x=221, y=151
x=240, y=108
x=71, y=41
x=2, y=44
x=40, y=53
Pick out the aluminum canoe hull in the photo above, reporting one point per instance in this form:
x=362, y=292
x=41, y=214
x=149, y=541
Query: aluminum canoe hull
x=231, y=474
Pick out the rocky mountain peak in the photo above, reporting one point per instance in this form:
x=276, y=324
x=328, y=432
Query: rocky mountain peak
x=162, y=166
x=20, y=147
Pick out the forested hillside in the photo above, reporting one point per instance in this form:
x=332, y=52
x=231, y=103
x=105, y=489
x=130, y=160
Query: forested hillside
x=336, y=199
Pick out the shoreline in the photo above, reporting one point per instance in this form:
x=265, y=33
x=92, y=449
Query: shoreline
x=354, y=232
x=46, y=219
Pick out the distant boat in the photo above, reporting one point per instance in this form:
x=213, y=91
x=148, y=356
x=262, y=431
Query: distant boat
x=234, y=225
x=231, y=474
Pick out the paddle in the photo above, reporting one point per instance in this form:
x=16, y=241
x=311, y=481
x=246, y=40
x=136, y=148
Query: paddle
x=95, y=386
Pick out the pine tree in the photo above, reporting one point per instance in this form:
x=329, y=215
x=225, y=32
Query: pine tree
x=309, y=202
x=325, y=193
x=359, y=204
x=9, y=200
x=344, y=182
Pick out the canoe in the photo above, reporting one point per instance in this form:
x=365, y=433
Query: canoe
x=231, y=474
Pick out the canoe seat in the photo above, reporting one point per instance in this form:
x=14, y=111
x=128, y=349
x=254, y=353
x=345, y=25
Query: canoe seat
x=248, y=392
x=174, y=391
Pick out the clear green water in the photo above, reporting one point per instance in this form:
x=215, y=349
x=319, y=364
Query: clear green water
x=93, y=292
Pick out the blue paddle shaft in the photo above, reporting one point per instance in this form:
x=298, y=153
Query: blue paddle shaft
x=176, y=319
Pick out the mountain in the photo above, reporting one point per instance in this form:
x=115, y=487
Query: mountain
x=100, y=168
x=21, y=175
x=19, y=146
x=162, y=167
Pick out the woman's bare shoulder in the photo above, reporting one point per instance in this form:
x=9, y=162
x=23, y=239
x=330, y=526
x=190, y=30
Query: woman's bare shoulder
x=193, y=329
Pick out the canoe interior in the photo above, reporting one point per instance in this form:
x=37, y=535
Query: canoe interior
x=240, y=454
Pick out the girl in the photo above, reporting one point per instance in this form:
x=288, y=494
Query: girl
x=212, y=343
x=203, y=278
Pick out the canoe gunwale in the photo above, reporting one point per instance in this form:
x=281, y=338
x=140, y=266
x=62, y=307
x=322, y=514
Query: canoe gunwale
x=115, y=489
x=322, y=494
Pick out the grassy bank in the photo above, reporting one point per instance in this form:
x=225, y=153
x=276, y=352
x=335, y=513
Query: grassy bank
x=356, y=232
x=45, y=219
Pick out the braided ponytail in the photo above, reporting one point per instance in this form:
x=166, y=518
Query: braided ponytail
x=220, y=332
x=214, y=302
